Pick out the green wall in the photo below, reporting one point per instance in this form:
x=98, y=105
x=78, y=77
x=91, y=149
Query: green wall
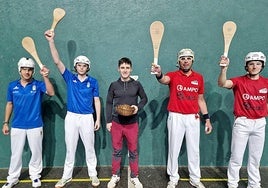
x=105, y=31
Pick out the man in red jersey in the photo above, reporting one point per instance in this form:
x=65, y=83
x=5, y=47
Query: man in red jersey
x=250, y=110
x=186, y=101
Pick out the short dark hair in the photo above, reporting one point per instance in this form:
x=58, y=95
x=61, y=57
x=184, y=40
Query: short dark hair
x=124, y=60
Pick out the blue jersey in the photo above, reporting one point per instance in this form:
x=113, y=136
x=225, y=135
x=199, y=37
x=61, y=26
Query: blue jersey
x=26, y=103
x=80, y=95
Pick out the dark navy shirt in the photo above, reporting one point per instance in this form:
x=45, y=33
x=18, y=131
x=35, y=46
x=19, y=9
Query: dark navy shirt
x=131, y=93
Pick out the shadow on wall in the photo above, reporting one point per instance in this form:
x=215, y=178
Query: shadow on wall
x=223, y=127
x=221, y=109
x=50, y=109
x=158, y=110
x=71, y=46
x=101, y=134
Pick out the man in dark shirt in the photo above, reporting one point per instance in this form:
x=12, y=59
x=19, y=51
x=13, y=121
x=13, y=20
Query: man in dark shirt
x=125, y=90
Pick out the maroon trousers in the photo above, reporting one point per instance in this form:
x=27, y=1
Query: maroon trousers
x=130, y=133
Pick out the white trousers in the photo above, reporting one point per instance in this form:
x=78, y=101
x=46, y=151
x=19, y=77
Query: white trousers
x=245, y=132
x=180, y=125
x=79, y=125
x=18, y=138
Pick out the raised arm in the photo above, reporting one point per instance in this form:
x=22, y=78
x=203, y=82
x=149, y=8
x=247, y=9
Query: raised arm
x=222, y=79
x=163, y=79
x=50, y=89
x=54, y=52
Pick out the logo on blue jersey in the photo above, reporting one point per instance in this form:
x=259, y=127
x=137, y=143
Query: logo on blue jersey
x=33, y=89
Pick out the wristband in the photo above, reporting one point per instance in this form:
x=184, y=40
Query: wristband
x=206, y=116
x=5, y=122
x=159, y=77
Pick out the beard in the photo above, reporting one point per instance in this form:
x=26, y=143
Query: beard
x=185, y=70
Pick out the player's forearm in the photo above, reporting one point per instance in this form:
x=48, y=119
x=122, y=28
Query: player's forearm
x=202, y=104
x=8, y=111
x=54, y=52
x=161, y=78
x=97, y=108
x=222, y=78
x=49, y=86
x=56, y=57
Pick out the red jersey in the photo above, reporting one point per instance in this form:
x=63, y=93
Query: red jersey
x=250, y=97
x=184, y=91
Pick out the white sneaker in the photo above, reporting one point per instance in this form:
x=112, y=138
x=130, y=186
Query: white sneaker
x=114, y=180
x=62, y=182
x=171, y=184
x=10, y=185
x=95, y=181
x=36, y=183
x=136, y=182
x=197, y=185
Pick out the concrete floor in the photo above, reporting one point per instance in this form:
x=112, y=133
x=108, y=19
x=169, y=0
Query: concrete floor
x=151, y=177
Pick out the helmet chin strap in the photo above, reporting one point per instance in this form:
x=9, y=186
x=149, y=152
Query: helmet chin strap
x=185, y=70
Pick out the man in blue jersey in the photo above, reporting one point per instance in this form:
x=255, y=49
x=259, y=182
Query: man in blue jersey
x=125, y=90
x=24, y=98
x=82, y=97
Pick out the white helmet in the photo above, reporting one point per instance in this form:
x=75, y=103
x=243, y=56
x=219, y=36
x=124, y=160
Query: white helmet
x=255, y=56
x=25, y=62
x=82, y=59
x=186, y=52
